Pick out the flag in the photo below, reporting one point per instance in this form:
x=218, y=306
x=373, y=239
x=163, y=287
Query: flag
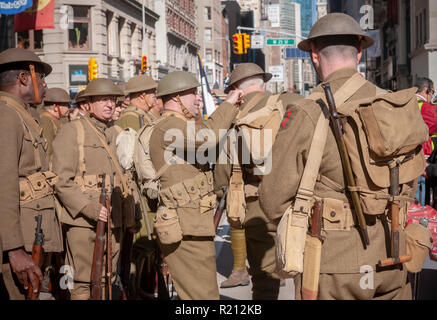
x=40, y=16
x=14, y=6
x=208, y=101
x=375, y=50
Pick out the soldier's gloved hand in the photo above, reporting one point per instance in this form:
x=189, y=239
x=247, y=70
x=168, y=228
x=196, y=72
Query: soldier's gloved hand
x=235, y=97
x=25, y=269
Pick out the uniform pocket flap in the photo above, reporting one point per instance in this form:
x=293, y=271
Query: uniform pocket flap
x=333, y=210
x=37, y=181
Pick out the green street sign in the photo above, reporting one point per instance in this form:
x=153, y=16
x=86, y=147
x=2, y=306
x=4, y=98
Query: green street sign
x=280, y=42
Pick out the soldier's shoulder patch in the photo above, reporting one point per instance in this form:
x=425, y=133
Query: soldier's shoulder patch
x=286, y=117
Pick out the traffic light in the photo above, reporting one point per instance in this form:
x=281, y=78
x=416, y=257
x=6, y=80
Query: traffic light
x=246, y=42
x=93, y=69
x=238, y=43
x=143, y=64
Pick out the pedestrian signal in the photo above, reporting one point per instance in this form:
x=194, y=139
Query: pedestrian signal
x=143, y=64
x=93, y=69
x=238, y=43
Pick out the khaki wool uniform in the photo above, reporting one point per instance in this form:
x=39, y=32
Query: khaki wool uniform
x=187, y=191
x=50, y=126
x=343, y=254
x=260, y=233
x=25, y=190
x=130, y=119
x=78, y=189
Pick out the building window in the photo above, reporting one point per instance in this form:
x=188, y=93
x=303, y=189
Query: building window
x=207, y=11
x=208, y=55
x=79, y=36
x=30, y=39
x=208, y=34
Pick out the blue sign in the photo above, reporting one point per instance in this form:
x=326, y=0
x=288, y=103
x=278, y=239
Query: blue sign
x=14, y=6
x=295, y=53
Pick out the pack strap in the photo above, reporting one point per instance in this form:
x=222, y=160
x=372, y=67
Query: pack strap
x=305, y=191
x=271, y=104
x=347, y=90
x=113, y=158
x=80, y=143
x=28, y=121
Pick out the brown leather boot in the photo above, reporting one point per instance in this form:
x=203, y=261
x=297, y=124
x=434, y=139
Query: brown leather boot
x=237, y=278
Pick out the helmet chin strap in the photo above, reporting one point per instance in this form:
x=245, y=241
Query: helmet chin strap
x=149, y=105
x=35, y=83
x=58, y=110
x=187, y=113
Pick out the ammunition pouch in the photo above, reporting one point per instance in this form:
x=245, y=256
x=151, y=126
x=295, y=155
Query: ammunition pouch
x=194, y=201
x=418, y=243
x=93, y=183
x=167, y=226
x=37, y=186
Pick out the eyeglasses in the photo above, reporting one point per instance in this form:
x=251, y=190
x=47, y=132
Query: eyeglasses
x=41, y=75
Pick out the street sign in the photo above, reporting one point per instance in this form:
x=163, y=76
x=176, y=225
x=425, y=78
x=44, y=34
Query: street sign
x=257, y=42
x=280, y=42
x=277, y=73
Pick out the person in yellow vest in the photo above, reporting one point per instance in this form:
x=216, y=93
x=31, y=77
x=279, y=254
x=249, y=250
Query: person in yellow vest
x=24, y=168
x=425, y=93
x=56, y=107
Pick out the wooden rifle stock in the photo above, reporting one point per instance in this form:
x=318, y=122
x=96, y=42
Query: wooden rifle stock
x=394, y=211
x=109, y=245
x=37, y=252
x=220, y=209
x=338, y=133
x=99, y=247
x=313, y=253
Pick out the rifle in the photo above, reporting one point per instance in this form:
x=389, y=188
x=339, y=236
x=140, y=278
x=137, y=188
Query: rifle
x=109, y=245
x=312, y=257
x=141, y=119
x=99, y=246
x=345, y=161
x=221, y=207
x=394, y=211
x=37, y=252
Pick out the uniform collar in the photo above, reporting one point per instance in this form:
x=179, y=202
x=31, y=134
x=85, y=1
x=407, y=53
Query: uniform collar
x=102, y=126
x=342, y=73
x=153, y=113
x=19, y=100
x=250, y=96
x=171, y=113
x=133, y=107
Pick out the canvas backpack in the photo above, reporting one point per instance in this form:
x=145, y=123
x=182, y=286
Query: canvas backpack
x=257, y=130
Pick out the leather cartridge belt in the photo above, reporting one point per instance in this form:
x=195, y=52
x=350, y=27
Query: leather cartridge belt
x=37, y=186
x=187, y=191
x=338, y=215
x=94, y=183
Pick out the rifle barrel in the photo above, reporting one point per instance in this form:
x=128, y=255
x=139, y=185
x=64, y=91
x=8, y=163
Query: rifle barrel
x=338, y=132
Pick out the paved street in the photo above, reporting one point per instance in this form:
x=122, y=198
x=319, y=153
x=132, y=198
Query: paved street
x=224, y=269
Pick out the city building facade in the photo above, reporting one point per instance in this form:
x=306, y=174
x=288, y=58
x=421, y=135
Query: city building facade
x=110, y=31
